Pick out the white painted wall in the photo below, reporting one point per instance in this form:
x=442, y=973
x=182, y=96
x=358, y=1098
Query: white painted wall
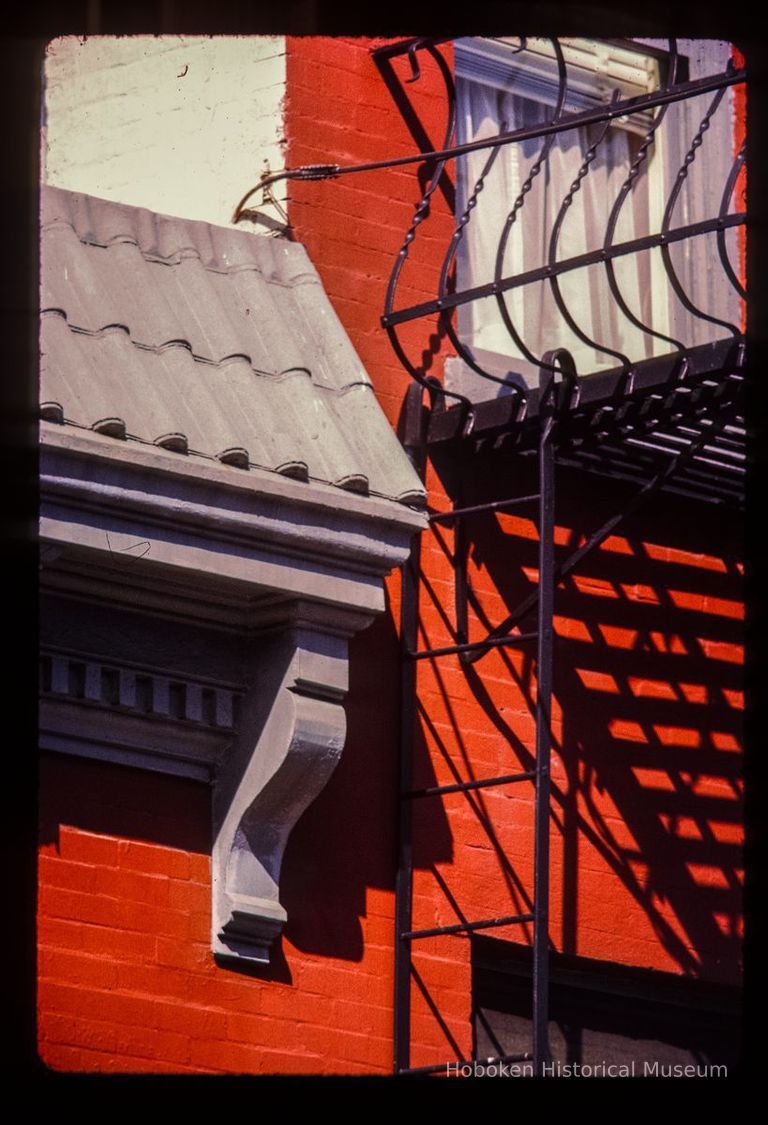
x=179, y=124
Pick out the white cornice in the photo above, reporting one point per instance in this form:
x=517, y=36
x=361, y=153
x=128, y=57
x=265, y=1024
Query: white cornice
x=137, y=530
x=146, y=517
x=98, y=449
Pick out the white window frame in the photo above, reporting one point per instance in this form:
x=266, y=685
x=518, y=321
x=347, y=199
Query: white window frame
x=594, y=69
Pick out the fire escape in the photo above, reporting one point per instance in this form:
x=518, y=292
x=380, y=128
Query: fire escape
x=671, y=422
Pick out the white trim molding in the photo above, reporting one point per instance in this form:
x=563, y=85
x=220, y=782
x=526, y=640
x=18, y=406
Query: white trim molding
x=288, y=743
x=208, y=586
x=594, y=69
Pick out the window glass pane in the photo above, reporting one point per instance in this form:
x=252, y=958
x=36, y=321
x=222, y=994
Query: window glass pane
x=499, y=93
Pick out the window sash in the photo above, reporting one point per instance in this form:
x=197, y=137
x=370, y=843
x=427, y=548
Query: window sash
x=497, y=69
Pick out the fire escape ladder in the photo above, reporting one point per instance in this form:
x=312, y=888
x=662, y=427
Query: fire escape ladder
x=539, y=776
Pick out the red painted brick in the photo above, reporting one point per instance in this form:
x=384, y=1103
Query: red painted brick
x=61, y=903
x=369, y=1049
x=193, y=897
x=77, y=1031
x=239, y=1058
x=199, y=868
x=87, y=847
x=132, y=886
x=137, y=856
x=121, y=945
x=56, y=872
x=80, y=1059
x=148, y=903
x=77, y=968
x=254, y=1030
x=199, y=1022
x=158, y=920
x=362, y=1017
x=315, y=1008
x=189, y=955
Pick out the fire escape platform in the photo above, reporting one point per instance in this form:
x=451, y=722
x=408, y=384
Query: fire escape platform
x=627, y=424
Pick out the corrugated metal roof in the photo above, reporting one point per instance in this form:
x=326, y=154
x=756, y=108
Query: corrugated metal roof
x=211, y=341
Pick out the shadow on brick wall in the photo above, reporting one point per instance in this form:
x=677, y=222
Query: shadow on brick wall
x=647, y=796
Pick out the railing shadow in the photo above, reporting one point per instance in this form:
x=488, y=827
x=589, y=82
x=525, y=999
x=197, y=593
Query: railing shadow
x=648, y=690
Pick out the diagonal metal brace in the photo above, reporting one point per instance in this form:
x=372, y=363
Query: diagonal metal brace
x=562, y=570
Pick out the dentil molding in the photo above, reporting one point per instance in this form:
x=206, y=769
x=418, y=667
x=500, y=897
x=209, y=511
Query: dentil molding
x=157, y=572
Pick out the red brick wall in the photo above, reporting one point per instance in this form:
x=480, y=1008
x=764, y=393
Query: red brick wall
x=646, y=808
x=338, y=110
x=127, y=981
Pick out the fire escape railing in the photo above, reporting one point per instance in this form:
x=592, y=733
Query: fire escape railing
x=446, y=299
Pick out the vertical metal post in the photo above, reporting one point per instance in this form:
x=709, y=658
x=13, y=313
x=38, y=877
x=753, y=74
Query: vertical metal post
x=409, y=614
x=460, y=557
x=543, y=723
x=409, y=628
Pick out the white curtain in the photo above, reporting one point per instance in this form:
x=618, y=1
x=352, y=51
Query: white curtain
x=485, y=111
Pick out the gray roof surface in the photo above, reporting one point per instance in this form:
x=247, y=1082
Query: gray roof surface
x=206, y=340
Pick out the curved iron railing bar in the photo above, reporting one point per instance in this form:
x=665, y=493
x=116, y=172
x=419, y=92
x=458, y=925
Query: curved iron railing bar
x=626, y=188
x=562, y=86
x=453, y=246
x=730, y=184
x=571, y=121
x=680, y=179
x=553, y=240
x=514, y=50
x=420, y=214
x=413, y=59
x=565, y=265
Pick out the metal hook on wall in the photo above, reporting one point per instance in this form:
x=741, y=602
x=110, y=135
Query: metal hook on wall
x=413, y=59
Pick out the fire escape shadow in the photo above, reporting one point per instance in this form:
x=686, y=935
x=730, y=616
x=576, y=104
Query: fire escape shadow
x=647, y=723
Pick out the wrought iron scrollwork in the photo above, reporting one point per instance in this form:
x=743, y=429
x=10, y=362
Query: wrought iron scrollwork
x=575, y=187
x=670, y=92
x=627, y=187
x=420, y=214
x=728, y=191
x=562, y=86
x=434, y=164
x=674, y=195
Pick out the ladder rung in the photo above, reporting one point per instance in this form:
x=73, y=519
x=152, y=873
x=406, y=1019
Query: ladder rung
x=437, y=1068
x=473, y=646
x=463, y=786
x=494, y=506
x=466, y=927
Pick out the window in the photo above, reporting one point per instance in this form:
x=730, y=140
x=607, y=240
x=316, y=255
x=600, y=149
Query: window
x=509, y=84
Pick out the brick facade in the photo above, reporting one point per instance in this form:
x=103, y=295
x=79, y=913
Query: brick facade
x=647, y=726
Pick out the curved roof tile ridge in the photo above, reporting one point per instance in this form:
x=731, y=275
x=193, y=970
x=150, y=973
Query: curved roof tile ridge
x=166, y=238
x=261, y=369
